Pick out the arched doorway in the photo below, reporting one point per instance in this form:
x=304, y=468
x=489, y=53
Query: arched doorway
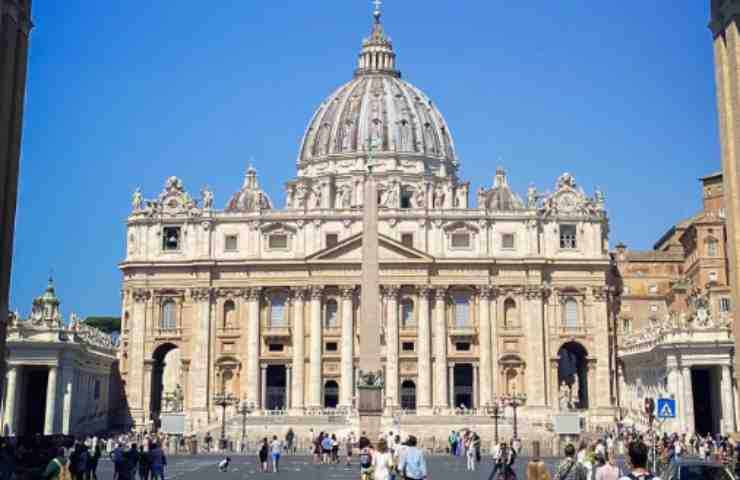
x=331, y=394
x=573, y=373
x=166, y=384
x=408, y=395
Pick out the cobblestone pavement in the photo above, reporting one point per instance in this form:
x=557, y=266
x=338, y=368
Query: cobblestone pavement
x=300, y=468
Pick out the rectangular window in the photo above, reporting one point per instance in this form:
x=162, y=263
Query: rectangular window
x=712, y=248
x=724, y=305
x=332, y=346
x=231, y=243
x=405, y=199
x=407, y=239
x=462, y=346
x=407, y=346
x=712, y=276
x=568, y=237
x=626, y=325
x=331, y=239
x=507, y=241
x=277, y=312
x=460, y=240
x=276, y=347
x=171, y=238
x=462, y=310
x=278, y=241
x=97, y=389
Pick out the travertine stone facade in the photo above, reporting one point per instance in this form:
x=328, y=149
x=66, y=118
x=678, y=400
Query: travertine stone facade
x=15, y=26
x=62, y=376
x=674, y=320
x=725, y=27
x=477, y=299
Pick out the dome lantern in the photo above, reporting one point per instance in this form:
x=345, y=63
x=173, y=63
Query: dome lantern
x=377, y=55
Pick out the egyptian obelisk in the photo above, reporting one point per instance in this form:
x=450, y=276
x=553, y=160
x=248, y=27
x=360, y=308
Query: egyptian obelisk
x=370, y=383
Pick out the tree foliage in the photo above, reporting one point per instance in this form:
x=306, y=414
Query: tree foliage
x=106, y=324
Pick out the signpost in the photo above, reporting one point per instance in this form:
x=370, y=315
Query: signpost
x=666, y=408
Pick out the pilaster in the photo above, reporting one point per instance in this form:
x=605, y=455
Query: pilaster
x=315, y=365
x=253, y=346
x=440, y=349
x=347, y=352
x=200, y=360
x=423, y=347
x=391, y=382
x=299, y=354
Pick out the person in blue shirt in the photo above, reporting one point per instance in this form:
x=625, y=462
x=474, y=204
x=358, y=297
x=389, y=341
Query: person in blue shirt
x=412, y=465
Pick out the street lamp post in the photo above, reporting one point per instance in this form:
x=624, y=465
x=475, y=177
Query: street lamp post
x=245, y=408
x=223, y=400
x=494, y=411
x=515, y=401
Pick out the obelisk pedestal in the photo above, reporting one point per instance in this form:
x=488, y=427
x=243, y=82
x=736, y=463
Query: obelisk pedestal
x=370, y=381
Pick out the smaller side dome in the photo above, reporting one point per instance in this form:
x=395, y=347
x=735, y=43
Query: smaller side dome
x=250, y=198
x=500, y=196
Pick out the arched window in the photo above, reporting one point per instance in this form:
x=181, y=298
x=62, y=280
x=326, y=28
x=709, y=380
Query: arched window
x=331, y=394
x=712, y=247
x=277, y=311
x=570, y=315
x=510, y=316
x=407, y=313
x=462, y=309
x=229, y=314
x=330, y=317
x=408, y=395
x=169, y=316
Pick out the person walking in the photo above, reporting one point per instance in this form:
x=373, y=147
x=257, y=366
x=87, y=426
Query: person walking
x=382, y=463
x=58, y=467
x=276, y=449
x=366, y=459
x=348, y=445
x=536, y=469
x=263, y=452
x=503, y=468
x=412, y=464
x=470, y=453
x=570, y=468
x=144, y=463
x=289, y=437
x=92, y=465
x=607, y=470
x=156, y=462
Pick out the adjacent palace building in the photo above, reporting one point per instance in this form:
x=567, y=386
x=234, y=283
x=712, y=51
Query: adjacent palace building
x=484, y=299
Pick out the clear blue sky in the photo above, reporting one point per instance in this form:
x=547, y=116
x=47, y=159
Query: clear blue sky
x=122, y=94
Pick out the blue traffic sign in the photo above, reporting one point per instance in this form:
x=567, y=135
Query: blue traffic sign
x=666, y=408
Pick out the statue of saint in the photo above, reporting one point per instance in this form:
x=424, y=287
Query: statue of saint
x=564, y=397
x=207, y=196
x=481, y=197
x=138, y=200
x=532, y=197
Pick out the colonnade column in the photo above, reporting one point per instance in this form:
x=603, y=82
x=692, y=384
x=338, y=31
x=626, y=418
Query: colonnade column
x=263, y=386
x=253, y=347
x=288, y=386
x=485, y=346
x=348, y=355
x=451, y=384
x=299, y=345
x=314, y=399
x=51, y=401
x=535, y=375
x=424, y=366
x=688, y=399
x=391, y=341
x=440, y=349
x=728, y=410
x=11, y=397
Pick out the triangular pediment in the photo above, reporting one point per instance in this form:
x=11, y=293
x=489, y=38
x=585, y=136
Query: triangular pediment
x=350, y=251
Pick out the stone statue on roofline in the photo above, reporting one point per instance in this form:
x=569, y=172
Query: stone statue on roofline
x=207, y=196
x=137, y=201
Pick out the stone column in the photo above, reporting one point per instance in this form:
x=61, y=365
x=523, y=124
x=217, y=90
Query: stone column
x=484, y=336
x=348, y=355
x=688, y=398
x=299, y=345
x=391, y=340
x=728, y=411
x=600, y=325
x=135, y=381
x=423, y=348
x=440, y=349
x=51, y=402
x=263, y=386
x=314, y=399
x=288, y=386
x=536, y=381
x=11, y=399
x=200, y=365
x=495, y=318
x=253, y=346
x=451, y=380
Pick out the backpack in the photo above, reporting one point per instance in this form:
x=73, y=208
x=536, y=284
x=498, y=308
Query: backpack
x=366, y=459
x=64, y=473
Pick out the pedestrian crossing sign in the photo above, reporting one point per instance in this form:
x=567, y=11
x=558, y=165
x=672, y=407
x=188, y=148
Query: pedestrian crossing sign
x=666, y=408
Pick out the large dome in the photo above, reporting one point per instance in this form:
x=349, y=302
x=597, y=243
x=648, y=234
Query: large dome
x=377, y=107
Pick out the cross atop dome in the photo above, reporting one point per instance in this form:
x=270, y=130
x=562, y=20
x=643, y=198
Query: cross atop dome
x=377, y=56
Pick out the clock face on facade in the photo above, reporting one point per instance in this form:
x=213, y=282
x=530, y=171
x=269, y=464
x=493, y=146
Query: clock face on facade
x=567, y=202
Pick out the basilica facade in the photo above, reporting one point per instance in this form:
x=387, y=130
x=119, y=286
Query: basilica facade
x=483, y=300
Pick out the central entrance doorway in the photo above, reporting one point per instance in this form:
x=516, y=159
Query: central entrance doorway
x=34, y=401
x=463, y=386
x=705, y=384
x=276, y=398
